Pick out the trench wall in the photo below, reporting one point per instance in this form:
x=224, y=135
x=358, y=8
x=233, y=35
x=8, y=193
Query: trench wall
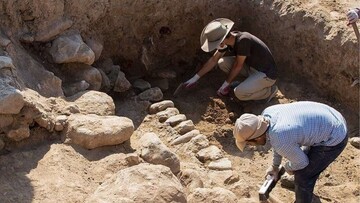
x=306, y=41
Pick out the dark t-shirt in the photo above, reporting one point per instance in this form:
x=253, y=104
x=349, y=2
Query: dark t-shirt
x=258, y=55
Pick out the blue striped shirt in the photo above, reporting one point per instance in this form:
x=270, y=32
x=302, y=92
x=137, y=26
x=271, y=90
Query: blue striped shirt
x=302, y=124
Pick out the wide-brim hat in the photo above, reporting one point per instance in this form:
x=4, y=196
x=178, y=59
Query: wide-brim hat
x=247, y=127
x=214, y=33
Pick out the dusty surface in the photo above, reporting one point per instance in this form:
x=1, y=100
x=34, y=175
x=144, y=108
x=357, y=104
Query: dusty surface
x=61, y=173
x=44, y=170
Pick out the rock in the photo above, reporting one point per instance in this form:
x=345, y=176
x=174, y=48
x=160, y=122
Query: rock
x=93, y=102
x=167, y=113
x=5, y=120
x=140, y=183
x=215, y=194
x=60, y=122
x=6, y=62
x=141, y=85
x=186, y=137
x=70, y=49
x=355, y=141
x=121, y=84
x=287, y=181
x=74, y=88
x=96, y=46
x=75, y=72
x=19, y=133
x=105, y=84
x=92, y=131
x=174, y=120
x=191, y=179
x=153, y=94
x=11, y=99
x=156, y=152
x=209, y=153
x=232, y=179
x=196, y=144
x=53, y=30
x=4, y=40
x=160, y=106
x=184, y=127
x=221, y=164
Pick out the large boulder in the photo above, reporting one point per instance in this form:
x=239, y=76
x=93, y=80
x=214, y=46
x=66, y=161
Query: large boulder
x=139, y=184
x=94, y=102
x=92, y=131
x=71, y=48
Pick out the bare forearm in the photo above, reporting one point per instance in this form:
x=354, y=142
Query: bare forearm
x=235, y=70
x=208, y=66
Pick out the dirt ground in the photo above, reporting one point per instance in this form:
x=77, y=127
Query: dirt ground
x=54, y=172
x=42, y=169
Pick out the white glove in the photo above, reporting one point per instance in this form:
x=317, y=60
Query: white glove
x=190, y=83
x=224, y=89
x=352, y=16
x=273, y=171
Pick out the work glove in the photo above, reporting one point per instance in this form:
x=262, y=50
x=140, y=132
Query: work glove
x=273, y=171
x=192, y=81
x=224, y=89
x=352, y=16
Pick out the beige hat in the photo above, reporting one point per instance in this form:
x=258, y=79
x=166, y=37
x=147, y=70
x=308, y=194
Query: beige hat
x=214, y=33
x=247, y=127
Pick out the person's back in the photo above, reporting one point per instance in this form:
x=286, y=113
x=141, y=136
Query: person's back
x=305, y=123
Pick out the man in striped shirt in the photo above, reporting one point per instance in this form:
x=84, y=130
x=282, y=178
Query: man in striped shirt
x=288, y=128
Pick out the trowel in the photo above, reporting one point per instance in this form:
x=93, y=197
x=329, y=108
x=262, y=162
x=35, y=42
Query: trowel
x=178, y=89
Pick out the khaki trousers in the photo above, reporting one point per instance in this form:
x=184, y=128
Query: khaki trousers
x=256, y=86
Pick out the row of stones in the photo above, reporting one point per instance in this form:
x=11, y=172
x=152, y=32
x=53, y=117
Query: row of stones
x=168, y=114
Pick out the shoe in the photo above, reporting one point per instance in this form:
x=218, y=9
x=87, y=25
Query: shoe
x=274, y=90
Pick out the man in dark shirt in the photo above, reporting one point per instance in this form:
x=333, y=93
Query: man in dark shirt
x=250, y=57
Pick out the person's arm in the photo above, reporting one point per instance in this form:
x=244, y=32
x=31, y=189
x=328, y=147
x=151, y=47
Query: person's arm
x=211, y=63
x=208, y=66
x=297, y=159
x=235, y=70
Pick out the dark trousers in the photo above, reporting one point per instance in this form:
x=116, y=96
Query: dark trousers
x=320, y=157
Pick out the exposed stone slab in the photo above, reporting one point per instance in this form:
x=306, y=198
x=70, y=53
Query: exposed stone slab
x=92, y=131
x=184, y=127
x=160, y=106
x=186, y=137
x=154, y=151
x=163, y=115
x=140, y=183
x=221, y=164
x=174, y=120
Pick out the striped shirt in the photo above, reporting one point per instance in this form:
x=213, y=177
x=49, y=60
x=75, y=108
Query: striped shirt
x=302, y=124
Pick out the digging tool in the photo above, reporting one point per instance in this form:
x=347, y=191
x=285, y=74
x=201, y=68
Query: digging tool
x=356, y=30
x=178, y=89
x=269, y=184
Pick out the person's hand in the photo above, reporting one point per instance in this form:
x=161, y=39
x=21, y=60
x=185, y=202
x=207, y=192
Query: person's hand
x=224, y=89
x=273, y=171
x=192, y=81
x=352, y=16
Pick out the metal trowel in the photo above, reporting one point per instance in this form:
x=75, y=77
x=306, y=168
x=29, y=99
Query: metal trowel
x=178, y=89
